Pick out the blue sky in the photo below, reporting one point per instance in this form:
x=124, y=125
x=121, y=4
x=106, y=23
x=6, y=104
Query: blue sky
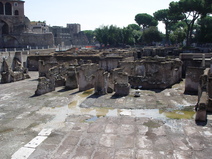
x=91, y=14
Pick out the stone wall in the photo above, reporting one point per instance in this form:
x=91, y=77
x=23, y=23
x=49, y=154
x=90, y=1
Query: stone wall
x=12, y=71
x=156, y=73
x=109, y=64
x=30, y=39
x=33, y=65
x=71, y=78
x=194, y=60
x=192, y=79
x=44, y=67
x=156, y=51
x=87, y=74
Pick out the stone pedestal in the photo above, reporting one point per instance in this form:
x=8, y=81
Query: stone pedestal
x=101, y=82
x=122, y=89
x=87, y=74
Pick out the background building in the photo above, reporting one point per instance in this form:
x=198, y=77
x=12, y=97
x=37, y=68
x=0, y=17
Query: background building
x=69, y=35
x=16, y=30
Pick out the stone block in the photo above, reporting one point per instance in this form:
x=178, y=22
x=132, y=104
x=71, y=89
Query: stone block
x=122, y=89
x=45, y=85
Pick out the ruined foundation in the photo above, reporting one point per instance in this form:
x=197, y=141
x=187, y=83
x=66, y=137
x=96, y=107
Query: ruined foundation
x=107, y=71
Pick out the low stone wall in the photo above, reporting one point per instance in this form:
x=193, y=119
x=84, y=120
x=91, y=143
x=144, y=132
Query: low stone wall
x=33, y=60
x=194, y=60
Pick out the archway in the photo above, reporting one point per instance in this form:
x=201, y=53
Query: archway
x=16, y=12
x=5, y=28
x=8, y=9
x=1, y=8
x=10, y=41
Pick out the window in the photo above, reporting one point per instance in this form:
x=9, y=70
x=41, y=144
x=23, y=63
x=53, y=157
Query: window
x=1, y=8
x=16, y=4
x=8, y=9
x=16, y=12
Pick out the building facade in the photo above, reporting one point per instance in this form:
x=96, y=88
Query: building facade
x=15, y=27
x=69, y=35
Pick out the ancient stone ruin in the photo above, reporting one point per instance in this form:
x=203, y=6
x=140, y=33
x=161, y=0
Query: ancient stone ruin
x=12, y=71
x=153, y=73
x=106, y=71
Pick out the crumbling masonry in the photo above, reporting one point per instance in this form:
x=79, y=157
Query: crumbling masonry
x=106, y=71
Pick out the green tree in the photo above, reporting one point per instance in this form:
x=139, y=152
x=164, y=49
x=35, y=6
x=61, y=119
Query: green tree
x=204, y=31
x=168, y=19
x=178, y=35
x=90, y=35
x=134, y=27
x=145, y=20
x=191, y=11
x=137, y=36
x=110, y=35
x=102, y=35
x=180, y=24
x=151, y=35
x=127, y=36
x=207, y=8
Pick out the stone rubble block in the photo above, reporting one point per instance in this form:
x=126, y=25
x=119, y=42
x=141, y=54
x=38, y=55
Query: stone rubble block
x=122, y=89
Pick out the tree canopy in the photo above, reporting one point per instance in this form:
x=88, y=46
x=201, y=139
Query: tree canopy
x=167, y=18
x=191, y=11
x=151, y=35
x=204, y=32
x=188, y=20
x=145, y=20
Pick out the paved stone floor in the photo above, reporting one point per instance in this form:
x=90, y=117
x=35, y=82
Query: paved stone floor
x=78, y=125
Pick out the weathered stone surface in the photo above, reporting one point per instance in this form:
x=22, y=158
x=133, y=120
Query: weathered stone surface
x=124, y=142
x=126, y=129
x=192, y=79
x=45, y=85
x=87, y=74
x=101, y=82
x=105, y=153
x=122, y=89
x=71, y=78
x=144, y=143
x=14, y=73
x=107, y=140
x=204, y=96
x=55, y=77
x=111, y=128
x=124, y=154
x=153, y=73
